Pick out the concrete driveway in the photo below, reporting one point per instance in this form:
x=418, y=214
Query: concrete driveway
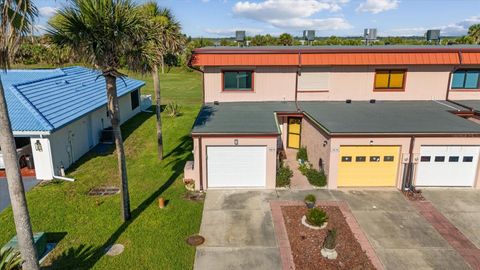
x=238, y=231
x=28, y=183
x=401, y=237
x=461, y=207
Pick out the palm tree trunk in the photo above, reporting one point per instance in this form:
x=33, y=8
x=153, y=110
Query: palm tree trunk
x=16, y=190
x=158, y=110
x=162, y=64
x=114, y=112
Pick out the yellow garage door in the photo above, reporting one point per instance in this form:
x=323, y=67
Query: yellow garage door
x=368, y=166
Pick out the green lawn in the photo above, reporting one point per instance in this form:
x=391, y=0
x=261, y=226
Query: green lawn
x=154, y=238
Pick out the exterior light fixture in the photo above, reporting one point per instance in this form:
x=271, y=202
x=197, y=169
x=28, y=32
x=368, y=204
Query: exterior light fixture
x=38, y=146
x=371, y=142
x=235, y=141
x=325, y=143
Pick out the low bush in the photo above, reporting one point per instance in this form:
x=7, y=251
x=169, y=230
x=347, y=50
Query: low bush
x=302, y=153
x=10, y=259
x=304, y=167
x=310, y=198
x=173, y=109
x=316, y=178
x=284, y=174
x=316, y=217
x=330, y=241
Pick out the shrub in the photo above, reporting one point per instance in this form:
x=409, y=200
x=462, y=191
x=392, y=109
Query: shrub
x=316, y=178
x=302, y=153
x=10, y=259
x=310, y=198
x=330, y=241
x=284, y=174
x=304, y=167
x=316, y=217
x=173, y=109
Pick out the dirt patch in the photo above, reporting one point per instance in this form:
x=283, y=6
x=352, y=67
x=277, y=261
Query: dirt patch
x=306, y=243
x=414, y=195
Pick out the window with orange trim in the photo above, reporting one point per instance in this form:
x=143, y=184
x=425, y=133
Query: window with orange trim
x=390, y=79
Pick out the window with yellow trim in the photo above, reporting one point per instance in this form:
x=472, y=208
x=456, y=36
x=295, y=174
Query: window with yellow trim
x=389, y=79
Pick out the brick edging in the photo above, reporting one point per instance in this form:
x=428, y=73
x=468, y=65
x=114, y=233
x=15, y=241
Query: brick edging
x=282, y=236
x=455, y=238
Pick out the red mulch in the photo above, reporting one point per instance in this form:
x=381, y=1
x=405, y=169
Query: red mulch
x=24, y=171
x=306, y=243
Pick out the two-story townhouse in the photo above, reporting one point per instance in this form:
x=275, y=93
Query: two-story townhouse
x=383, y=116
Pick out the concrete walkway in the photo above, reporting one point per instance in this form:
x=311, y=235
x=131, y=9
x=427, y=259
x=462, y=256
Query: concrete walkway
x=28, y=183
x=238, y=231
x=298, y=181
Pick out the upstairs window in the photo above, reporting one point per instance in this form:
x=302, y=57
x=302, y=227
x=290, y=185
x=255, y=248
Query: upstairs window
x=465, y=79
x=238, y=80
x=390, y=79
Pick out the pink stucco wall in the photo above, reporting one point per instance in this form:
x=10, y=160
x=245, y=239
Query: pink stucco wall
x=270, y=84
x=344, y=82
x=269, y=142
x=317, y=151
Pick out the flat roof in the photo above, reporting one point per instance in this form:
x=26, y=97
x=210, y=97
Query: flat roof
x=394, y=117
x=240, y=117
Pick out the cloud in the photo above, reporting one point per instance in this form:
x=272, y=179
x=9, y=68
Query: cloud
x=454, y=29
x=317, y=24
x=47, y=12
x=230, y=32
x=293, y=14
x=377, y=6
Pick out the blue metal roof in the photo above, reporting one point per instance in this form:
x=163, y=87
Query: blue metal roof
x=47, y=99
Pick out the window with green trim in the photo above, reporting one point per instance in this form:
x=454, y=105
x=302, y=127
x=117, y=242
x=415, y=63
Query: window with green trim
x=237, y=80
x=465, y=79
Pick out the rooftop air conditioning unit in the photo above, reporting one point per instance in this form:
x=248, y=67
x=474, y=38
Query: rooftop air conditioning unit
x=309, y=35
x=370, y=33
x=240, y=36
x=433, y=35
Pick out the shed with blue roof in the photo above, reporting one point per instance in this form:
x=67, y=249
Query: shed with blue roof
x=61, y=113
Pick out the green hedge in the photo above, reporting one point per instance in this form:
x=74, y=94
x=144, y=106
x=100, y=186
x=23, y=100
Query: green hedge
x=284, y=174
x=302, y=153
x=316, y=178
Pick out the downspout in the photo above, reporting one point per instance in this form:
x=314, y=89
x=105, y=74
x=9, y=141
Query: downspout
x=408, y=174
x=200, y=162
x=299, y=67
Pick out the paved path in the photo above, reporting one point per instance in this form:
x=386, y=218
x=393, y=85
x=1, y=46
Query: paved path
x=28, y=183
x=298, y=181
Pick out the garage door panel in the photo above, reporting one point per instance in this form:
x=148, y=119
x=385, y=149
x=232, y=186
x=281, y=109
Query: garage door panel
x=447, y=166
x=368, y=166
x=236, y=166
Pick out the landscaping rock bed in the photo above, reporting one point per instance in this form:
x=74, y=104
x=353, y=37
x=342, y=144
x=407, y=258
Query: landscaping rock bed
x=306, y=243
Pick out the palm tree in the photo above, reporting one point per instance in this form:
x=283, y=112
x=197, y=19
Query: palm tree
x=101, y=32
x=16, y=17
x=163, y=36
x=474, y=33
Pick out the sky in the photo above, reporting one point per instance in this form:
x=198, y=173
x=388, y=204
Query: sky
x=220, y=18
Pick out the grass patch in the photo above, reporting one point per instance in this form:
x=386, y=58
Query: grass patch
x=154, y=238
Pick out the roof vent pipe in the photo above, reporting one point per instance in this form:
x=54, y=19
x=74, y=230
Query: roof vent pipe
x=348, y=101
x=216, y=102
x=372, y=101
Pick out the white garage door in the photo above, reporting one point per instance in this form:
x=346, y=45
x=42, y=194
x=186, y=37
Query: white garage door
x=236, y=166
x=454, y=166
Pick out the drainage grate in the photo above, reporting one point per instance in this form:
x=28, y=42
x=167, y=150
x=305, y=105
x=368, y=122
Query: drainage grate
x=195, y=240
x=104, y=191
